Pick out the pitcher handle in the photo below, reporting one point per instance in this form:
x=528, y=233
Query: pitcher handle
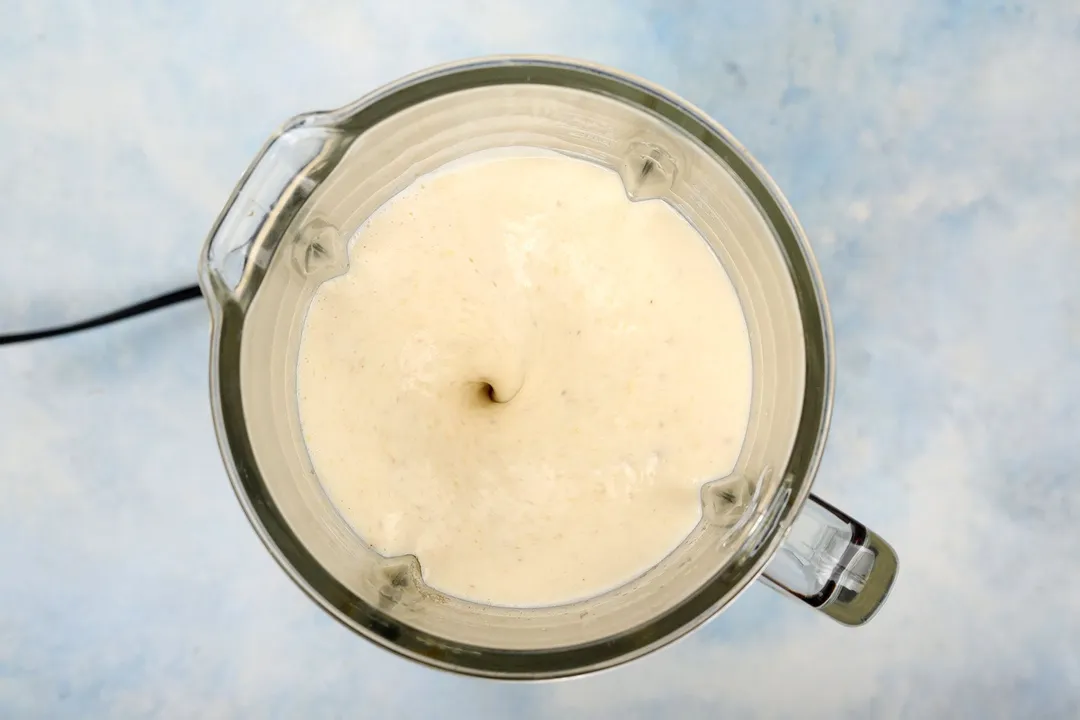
x=834, y=564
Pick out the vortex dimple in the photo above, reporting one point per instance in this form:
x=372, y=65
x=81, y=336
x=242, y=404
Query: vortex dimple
x=490, y=392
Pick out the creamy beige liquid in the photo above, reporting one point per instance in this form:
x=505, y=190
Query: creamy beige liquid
x=608, y=335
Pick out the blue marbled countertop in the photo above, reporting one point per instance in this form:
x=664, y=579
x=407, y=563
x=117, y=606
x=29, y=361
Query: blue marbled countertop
x=932, y=150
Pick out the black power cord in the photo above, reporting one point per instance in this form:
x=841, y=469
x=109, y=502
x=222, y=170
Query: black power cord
x=155, y=303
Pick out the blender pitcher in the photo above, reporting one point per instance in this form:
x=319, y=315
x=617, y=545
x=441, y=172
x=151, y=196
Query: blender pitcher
x=286, y=229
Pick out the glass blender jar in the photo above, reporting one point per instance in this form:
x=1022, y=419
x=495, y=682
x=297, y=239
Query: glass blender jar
x=286, y=229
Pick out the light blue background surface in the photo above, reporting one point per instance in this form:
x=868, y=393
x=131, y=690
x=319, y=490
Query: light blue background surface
x=932, y=151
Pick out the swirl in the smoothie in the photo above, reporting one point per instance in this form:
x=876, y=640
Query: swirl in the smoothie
x=523, y=379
